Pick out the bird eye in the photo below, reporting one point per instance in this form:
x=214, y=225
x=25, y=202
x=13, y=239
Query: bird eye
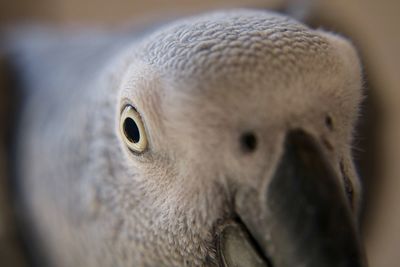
x=132, y=130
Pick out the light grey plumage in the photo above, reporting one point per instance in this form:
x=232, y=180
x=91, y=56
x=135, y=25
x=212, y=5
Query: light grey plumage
x=198, y=85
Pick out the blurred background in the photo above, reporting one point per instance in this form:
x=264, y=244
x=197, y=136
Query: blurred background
x=374, y=28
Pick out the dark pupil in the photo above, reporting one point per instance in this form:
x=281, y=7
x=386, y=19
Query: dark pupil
x=131, y=130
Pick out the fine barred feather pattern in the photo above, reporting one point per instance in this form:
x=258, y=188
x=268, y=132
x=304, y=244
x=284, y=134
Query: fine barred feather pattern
x=198, y=83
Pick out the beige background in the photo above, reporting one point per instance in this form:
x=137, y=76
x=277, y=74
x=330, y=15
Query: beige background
x=112, y=12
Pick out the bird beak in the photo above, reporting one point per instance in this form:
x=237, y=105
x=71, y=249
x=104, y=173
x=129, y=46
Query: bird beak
x=300, y=218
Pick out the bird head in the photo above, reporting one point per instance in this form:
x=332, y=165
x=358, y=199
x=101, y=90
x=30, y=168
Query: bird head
x=235, y=129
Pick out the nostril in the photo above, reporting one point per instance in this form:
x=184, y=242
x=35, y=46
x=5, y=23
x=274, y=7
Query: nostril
x=329, y=122
x=248, y=142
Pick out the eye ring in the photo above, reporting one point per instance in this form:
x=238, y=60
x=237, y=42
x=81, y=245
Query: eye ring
x=132, y=130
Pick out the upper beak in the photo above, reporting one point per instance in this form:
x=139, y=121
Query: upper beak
x=301, y=218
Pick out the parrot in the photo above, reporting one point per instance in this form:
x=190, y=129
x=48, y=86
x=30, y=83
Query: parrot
x=219, y=139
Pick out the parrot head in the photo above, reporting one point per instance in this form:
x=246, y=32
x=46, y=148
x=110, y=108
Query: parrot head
x=236, y=129
x=223, y=140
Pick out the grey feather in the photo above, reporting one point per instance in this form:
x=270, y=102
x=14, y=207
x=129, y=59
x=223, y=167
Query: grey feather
x=198, y=84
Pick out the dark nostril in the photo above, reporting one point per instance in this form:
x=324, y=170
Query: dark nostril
x=329, y=122
x=248, y=142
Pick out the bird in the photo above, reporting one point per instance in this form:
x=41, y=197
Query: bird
x=219, y=139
